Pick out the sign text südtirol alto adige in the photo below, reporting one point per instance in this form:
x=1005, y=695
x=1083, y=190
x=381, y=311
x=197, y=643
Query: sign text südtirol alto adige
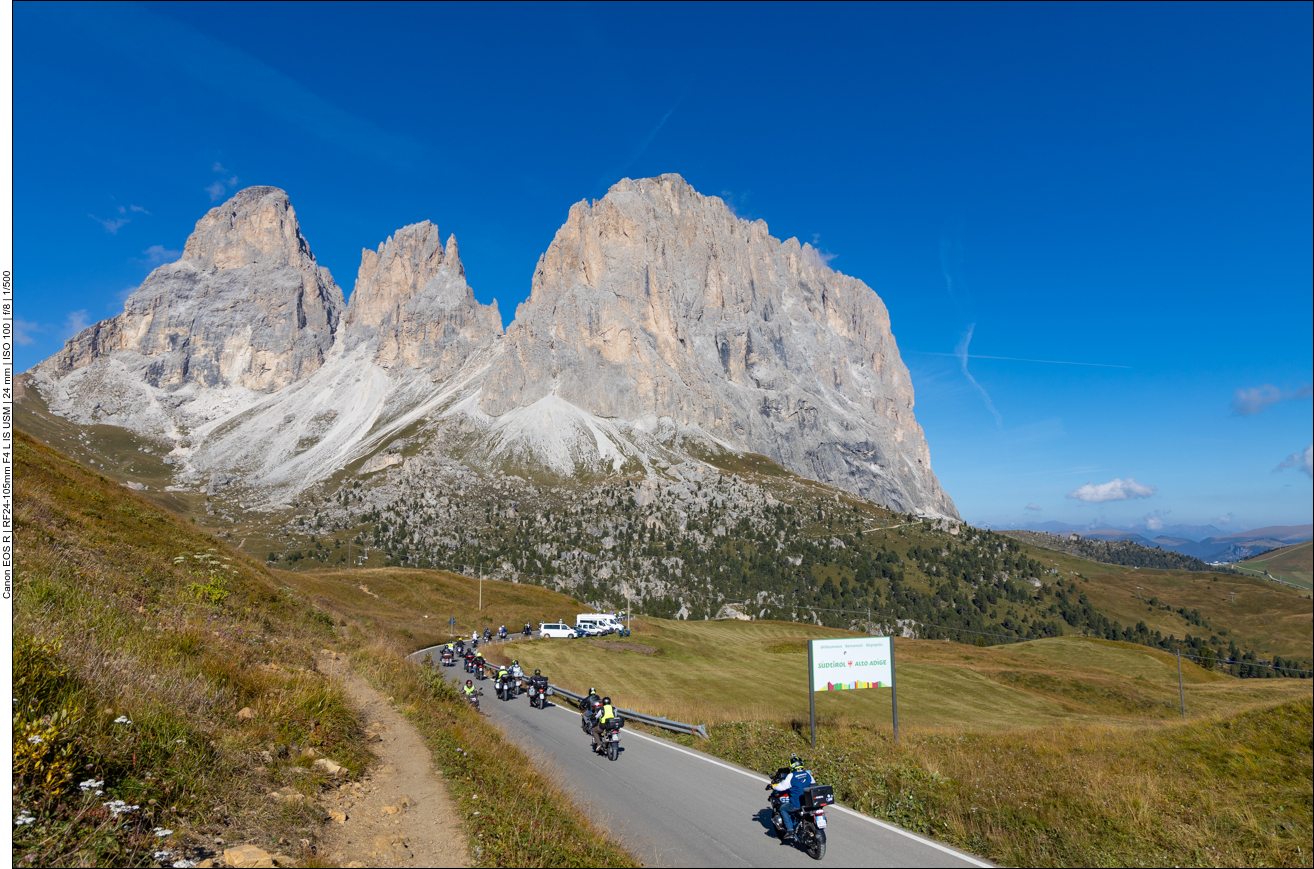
x=860, y=662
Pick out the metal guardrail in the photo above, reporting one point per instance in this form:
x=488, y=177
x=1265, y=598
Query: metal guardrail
x=664, y=723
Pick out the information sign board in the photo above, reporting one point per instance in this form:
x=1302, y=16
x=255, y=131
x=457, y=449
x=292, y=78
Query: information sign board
x=847, y=664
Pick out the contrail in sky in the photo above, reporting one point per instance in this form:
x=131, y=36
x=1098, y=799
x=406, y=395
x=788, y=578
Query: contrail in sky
x=606, y=183
x=1016, y=359
x=961, y=353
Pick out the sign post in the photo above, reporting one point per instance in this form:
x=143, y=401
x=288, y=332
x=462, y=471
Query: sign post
x=812, y=698
x=849, y=664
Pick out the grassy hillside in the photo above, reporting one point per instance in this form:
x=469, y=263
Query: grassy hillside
x=1060, y=751
x=719, y=671
x=164, y=683
x=1293, y=564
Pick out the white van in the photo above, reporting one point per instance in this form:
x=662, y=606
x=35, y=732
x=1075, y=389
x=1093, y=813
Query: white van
x=556, y=630
x=593, y=624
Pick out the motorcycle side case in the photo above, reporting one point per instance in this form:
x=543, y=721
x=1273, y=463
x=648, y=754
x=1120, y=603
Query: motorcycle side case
x=817, y=796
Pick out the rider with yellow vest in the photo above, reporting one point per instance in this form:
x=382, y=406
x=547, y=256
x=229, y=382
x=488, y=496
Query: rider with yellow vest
x=605, y=714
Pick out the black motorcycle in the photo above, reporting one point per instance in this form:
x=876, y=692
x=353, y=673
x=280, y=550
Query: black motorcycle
x=810, y=826
x=538, y=695
x=479, y=669
x=611, y=737
x=488, y=635
x=527, y=632
x=448, y=658
x=468, y=658
x=460, y=648
x=474, y=698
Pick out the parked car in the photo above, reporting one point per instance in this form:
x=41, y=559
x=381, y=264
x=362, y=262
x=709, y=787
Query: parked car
x=556, y=630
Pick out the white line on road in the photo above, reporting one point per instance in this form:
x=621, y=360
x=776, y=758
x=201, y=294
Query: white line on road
x=930, y=843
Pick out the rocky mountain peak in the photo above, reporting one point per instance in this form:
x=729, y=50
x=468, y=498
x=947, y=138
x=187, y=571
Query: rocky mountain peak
x=657, y=300
x=411, y=298
x=246, y=306
x=258, y=225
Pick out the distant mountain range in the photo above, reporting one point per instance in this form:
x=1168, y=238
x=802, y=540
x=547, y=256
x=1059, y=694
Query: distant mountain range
x=1206, y=542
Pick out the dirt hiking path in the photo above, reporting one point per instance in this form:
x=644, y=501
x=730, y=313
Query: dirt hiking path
x=399, y=813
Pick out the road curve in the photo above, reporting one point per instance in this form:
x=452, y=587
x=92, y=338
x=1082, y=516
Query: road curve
x=673, y=806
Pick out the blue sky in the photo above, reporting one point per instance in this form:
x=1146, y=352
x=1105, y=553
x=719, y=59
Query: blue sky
x=1125, y=186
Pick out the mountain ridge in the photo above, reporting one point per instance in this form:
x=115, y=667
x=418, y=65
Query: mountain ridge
x=659, y=323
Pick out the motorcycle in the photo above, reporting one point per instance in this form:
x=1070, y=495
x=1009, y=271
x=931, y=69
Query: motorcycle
x=474, y=698
x=460, y=648
x=538, y=695
x=610, y=745
x=448, y=658
x=479, y=669
x=505, y=686
x=518, y=679
x=488, y=635
x=810, y=828
x=501, y=633
x=527, y=632
x=469, y=662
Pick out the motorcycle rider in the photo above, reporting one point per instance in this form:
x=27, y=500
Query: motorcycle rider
x=488, y=635
x=503, y=677
x=798, y=780
x=528, y=630
x=606, y=713
x=591, y=701
x=468, y=689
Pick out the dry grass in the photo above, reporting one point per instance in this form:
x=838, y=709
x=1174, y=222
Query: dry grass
x=138, y=639
x=1223, y=791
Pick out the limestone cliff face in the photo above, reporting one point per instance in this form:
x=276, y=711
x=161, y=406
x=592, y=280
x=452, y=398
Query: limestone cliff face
x=247, y=305
x=412, y=300
x=658, y=301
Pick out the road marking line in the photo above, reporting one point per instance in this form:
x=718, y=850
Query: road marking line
x=891, y=827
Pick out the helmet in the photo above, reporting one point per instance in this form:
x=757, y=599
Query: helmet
x=593, y=690
x=538, y=672
x=516, y=662
x=606, y=701
x=795, y=762
x=469, y=681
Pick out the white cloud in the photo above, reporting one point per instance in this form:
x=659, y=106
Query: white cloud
x=1154, y=523
x=1035, y=507
x=1303, y=460
x=1248, y=402
x=221, y=186
x=157, y=254
x=74, y=323
x=113, y=225
x=138, y=208
x=1114, y=490
x=1226, y=520
x=23, y=331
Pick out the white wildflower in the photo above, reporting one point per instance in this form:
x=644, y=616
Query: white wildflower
x=23, y=819
x=161, y=833
x=184, y=864
x=122, y=719
x=35, y=740
x=119, y=807
x=90, y=784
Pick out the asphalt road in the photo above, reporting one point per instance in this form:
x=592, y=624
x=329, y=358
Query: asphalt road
x=672, y=806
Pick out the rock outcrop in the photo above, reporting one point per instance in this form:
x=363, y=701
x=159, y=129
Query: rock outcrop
x=247, y=306
x=412, y=300
x=656, y=301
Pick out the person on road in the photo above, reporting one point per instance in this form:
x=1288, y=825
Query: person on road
x=590, y=702
x=605, y=714
x=798, y=780
x=468, y=689
x=528, y=630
